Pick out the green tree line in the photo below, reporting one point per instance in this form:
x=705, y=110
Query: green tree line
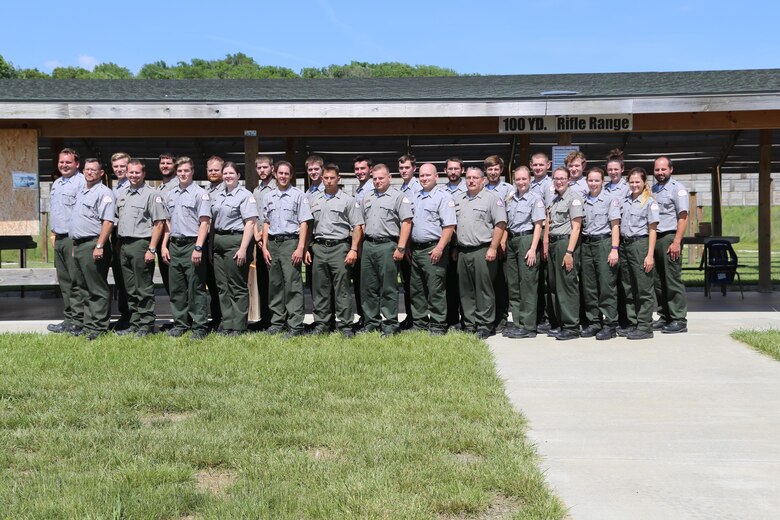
x=232, y=66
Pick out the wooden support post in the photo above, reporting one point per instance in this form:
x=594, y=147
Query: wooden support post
x=717, y=203
x=693, y=222
x=524, y=152
x=251, y=147
x=564, y=139
x=765, y=212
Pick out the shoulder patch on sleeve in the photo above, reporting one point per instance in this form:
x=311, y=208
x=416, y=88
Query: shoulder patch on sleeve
x=682, y=193
x=405, y=200
x=539, y=204
x=654, y=206
x=158, y=199
x=205, y=196
x=252, y=200
x=615, y=202
x=305, y=200
x=357, y=204
x=107, y=199
x=576, y=202
x=499, y=202
x=451, y=204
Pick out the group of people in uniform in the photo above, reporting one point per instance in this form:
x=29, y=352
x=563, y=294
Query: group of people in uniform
x=581, y=253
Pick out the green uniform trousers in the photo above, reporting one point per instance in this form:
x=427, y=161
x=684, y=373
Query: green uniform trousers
x=477, y=298
x=211, y=283
x=91, y=280
x=65, y=266
x=139, y=282
x=285, y=286
x=522, y=282
x=669, y=288
x=261, y=273
x=599, y=282
x=565, y=286
x=637, y=284
x=189, y=298
x=428, y=287
x=331, y=288
x=232, y=280
x=379, y=287
x=120, y=287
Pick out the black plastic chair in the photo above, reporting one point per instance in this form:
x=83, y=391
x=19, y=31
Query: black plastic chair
x=720, y=267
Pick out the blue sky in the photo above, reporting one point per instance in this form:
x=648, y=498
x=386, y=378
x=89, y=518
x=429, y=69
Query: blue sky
x=500, y=37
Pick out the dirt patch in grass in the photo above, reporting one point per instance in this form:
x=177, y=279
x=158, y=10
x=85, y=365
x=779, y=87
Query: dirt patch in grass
x=323, y=453
x=165, y=417
x=468, y=458
x=215, y=481
x=501, y=507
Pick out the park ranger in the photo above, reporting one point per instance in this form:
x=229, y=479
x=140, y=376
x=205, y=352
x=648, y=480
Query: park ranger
x=189, y=215
x=215, y=186
x=542, y=186
x=575, y=162
x=93, y=220
x=266, y=182
x=407, y=165
x=599, y=252
x=333, y=253
x=454, y=186
x=141, y=215
x=481, y=224
x=361, y=166
x=432, y=228
x=119, y=166
x=63, y=200
x=672, y=198
x=234, y=215
x=167, y=167
x=494, y=170
x=564, y=220
x=314, y=165
x=525, y=214
x=286, y=215
x=388, y=216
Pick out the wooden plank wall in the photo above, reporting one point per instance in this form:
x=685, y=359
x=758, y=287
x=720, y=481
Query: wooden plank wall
x=19, y=212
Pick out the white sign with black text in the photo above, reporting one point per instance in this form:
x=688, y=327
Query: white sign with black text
x=555, y=124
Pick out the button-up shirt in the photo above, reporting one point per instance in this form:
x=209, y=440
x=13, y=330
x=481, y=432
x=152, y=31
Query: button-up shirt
x=63, y=199
x=599, y=212
x=93, y=206
x=478, y=217
x=138, y=209
x=335, y=216
x=503, y=189
x=232, y=208
x=285, y=211
x=523, y=211
x=185, y=209
x=672, y=198
x=433, y=210
x=563, y=209
x=384, y=212
x=637, y=216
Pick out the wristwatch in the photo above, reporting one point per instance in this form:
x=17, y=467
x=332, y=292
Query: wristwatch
x=401, y=249
x=198, y=248
x=152, y=250
x=98, y=246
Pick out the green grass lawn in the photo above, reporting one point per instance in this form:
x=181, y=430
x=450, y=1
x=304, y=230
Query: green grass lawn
x=766, y=341
x=258, y=427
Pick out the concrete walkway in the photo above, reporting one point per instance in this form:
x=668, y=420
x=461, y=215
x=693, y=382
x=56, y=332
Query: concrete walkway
x=680, y=426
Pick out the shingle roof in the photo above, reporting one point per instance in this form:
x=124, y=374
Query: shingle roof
x=461, y=88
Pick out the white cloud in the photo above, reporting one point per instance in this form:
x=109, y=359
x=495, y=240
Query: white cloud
x=88, y=62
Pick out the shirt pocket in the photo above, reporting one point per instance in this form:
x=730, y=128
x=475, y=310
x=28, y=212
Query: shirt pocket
x=136, y=210
x=600, y=216
x=431, y=215
x=68, y=200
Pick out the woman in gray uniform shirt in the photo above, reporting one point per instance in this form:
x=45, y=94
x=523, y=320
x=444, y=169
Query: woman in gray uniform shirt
x=600, y=241
x=637, y=242
x=234, y=216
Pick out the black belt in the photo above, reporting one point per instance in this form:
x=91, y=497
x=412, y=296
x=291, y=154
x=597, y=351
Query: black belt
x=512, y=234
x=60, y=236
x=426, y=245
x=82, y=240
x=469, y=249
x=228, y=232
x=381, y=240
x=596, y=238
x=282, y=238
x=330, y=243
x=627, y=240
x=555, y=238
x=660, y=234
x=180, y=241
x=128, y=240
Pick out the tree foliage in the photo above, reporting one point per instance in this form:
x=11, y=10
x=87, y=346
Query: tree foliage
x=232, y=66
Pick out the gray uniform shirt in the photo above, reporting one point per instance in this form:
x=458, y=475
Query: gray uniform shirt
x=524, y=211
x=563, y=209
x=580, y=186
x=410, y=188
x=457, y=189
x=637, y=217
x=503, y=189
x=214, y=189
x=232, y=208
x=315, y=190
x=137, y=210
x=120, y=188
x=260, y=192
x=362, y=191
x=619, y=190
x=285, y=211
x=599, y=212
x=433, y=210
x=185, y=208
x=168, y=186
x=63, y=199
x=478, y=217
x=672, y=198
x=384, y=212
x=93, y=206
x=542, y=188
x=335, y=215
